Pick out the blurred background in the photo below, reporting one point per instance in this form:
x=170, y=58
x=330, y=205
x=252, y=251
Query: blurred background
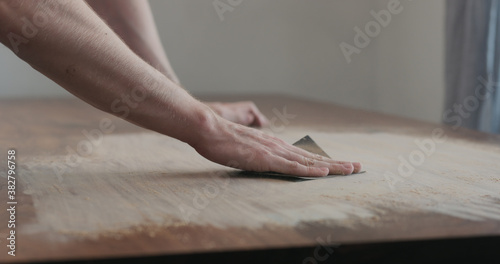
x=291, y=47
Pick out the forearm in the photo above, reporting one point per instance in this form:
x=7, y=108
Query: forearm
x=80, y=52
x=133, y=21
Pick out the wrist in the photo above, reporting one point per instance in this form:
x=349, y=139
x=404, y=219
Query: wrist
x=206, y=122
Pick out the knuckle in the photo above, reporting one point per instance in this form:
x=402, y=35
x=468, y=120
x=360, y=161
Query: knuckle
x=273, y=145
x=263, y=154
x=318, y=157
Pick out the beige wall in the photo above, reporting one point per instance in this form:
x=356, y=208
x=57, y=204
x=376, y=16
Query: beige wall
x=410, y=62
x=292, y=46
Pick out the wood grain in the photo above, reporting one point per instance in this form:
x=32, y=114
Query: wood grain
x=137, y=193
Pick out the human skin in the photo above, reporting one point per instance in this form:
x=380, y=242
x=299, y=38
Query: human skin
x=133, y=22
x=76, y=48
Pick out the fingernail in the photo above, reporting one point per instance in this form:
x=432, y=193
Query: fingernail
x=349, y=168
x=357, y=166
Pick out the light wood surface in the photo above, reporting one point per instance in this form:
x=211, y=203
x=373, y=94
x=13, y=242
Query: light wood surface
x=138, y=193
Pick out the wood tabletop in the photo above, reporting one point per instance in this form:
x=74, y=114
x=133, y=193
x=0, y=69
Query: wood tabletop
x=89, y=185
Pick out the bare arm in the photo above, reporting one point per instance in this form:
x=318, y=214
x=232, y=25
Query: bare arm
x=133, y=21
x=76, y=49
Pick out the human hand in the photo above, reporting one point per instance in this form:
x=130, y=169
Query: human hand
x=244, y=113
x=250, y=149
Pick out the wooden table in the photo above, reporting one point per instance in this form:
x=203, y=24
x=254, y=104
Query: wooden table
x=91, y=186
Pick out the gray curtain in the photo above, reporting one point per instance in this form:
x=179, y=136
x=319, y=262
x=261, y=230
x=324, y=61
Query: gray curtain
x=473, y=64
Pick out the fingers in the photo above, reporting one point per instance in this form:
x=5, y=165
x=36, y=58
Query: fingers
x=307, y=158
x=245, y=117
x=249, y=114
x=357, y=167
x=244, y=113
x=333, y=166
x=282, y=165
x=260, y=119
